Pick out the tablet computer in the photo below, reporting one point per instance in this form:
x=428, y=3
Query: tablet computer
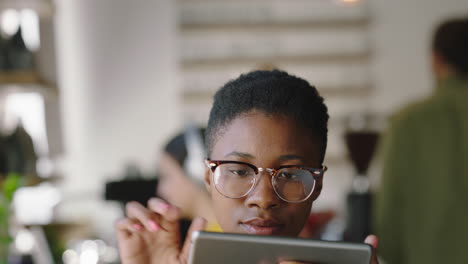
x=228, y=248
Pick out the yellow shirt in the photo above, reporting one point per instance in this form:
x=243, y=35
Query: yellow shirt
x=213, y=227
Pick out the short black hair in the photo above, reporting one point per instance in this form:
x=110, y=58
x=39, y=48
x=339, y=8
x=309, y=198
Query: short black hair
x=176, y=147
x=451, y=43
x=273, y=92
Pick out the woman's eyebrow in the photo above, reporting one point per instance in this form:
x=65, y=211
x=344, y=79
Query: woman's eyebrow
x=240, y=155
x=289, y=157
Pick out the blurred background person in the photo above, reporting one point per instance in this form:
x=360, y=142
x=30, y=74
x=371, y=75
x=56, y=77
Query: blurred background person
x=181, y=171
x=421, y=210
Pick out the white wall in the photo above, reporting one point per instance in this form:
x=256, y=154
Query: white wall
x=401, y=34
x=117, y=68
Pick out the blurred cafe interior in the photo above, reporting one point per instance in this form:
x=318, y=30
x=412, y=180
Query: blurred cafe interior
x=91, y=91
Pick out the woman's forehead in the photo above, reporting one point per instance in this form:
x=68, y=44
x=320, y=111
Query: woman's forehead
x=258, y=134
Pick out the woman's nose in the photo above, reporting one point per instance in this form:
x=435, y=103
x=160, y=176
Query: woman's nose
x=263, y=196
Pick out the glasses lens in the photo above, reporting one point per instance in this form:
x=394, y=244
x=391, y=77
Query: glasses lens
x=294, y=184
x=234, y=180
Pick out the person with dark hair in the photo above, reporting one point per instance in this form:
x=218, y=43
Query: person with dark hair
x=181, y=174
x=421, y=215
x=266, y=140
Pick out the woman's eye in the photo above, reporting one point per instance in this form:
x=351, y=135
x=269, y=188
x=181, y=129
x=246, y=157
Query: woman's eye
x=287, y=176
x=239, y=172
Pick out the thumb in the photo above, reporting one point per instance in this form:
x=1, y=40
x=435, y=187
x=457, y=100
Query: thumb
x=373, y=241
x=198, y=224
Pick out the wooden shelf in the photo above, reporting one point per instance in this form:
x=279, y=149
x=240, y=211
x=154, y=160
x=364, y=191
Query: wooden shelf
x=247, y=26
x=20, y=77
x=26, y=81
x=306, y=59
x=205, y=96
x=259, y=11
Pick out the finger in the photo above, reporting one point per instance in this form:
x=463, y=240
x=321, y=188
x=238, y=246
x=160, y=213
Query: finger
x=373, y=241
x=198, y=224
x=125, y=227
x=170, y=214
x=148, y=219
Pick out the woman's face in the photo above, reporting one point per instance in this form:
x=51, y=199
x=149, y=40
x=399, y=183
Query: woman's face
x=266, y=142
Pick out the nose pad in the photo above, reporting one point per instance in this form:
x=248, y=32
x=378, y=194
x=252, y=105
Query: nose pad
x=270, y=171
x=263, y=195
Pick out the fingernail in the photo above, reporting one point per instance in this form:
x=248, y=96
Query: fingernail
x=153, y=226
x=372, y=240
x=137, y=227
x=164, y=207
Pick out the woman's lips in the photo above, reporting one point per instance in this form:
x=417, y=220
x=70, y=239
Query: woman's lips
x=258, y=226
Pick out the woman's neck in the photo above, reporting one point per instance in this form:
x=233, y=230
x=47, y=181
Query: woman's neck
x=202, y=207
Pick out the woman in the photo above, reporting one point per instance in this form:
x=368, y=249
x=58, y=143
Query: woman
x=266, y=140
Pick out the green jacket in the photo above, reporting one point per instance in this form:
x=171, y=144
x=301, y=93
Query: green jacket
x=422, y=205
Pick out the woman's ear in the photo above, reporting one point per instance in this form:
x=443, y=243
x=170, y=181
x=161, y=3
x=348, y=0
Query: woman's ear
x=208, y=180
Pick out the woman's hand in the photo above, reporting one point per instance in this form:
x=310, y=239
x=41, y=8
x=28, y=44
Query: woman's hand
x=370, y=239
x=151, y=235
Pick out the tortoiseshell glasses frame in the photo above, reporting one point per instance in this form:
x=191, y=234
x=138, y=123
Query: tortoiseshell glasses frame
x=317, y=175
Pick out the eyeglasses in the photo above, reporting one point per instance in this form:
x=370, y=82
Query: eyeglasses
x=236, y=179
